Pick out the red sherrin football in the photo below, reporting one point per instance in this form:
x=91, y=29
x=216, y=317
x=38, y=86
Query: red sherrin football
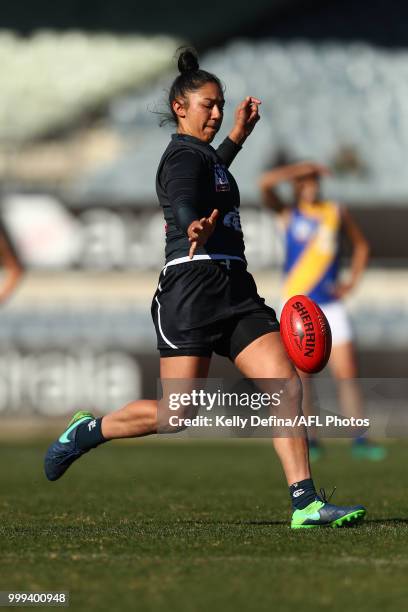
x=306, y=334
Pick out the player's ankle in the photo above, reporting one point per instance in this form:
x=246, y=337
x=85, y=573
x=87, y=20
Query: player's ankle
x=302, y=493
x=89, y=435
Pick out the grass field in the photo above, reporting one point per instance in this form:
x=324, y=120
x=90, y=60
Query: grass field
x=188, y=525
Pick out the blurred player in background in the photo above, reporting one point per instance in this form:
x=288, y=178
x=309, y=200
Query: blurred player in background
x=11, y=266
x=313, y=229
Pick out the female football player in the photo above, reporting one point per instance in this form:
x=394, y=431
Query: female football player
x=206, y=301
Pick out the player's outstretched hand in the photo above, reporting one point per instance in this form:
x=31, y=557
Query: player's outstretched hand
x=246, y=117
x=200, y=231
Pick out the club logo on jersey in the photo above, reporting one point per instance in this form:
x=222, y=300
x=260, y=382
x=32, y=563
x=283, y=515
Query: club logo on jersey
x=233, y=220
x=303, y=229
x=221, y=179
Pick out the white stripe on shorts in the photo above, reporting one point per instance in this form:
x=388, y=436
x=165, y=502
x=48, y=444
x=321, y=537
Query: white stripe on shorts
x=167, y=341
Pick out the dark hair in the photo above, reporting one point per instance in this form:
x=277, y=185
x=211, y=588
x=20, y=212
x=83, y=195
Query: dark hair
x=190, y=78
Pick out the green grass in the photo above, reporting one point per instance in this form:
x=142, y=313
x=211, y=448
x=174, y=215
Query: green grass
x=173, y=525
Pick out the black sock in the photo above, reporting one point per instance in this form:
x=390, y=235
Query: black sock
x=302, y=493
x=89, y=434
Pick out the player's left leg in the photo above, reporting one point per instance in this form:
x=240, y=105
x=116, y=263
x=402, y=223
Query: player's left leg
x=265, y=358
x=343, y=365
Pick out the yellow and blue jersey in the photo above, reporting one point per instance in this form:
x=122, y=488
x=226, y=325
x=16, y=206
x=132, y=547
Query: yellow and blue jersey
x=312, y=251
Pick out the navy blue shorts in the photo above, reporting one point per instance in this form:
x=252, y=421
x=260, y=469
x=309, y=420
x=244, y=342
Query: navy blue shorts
x=207, y=306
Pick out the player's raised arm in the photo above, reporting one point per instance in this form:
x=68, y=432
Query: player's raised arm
x=268, y=181
x=246, y=117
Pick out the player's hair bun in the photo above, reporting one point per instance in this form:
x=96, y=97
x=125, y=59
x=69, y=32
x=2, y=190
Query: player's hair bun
x=191, y=78
x=188, y=61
